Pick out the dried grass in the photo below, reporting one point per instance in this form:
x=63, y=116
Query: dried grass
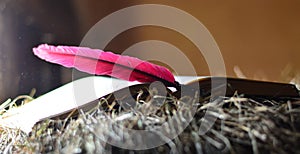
x=243, y=125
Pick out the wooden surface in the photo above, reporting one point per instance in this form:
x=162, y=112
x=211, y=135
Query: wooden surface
x=260, y=37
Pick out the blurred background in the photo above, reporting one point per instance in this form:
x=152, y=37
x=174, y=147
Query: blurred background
x=258, y=39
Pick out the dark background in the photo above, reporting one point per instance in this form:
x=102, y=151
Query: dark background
x=261, y=37
x=24, y=25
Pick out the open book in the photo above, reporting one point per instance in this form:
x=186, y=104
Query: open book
x=84, y=94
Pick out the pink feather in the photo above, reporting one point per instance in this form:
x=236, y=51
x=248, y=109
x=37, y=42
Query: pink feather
x=95, y=61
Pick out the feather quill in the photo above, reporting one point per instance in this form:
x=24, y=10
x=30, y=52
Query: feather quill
x=95, y=61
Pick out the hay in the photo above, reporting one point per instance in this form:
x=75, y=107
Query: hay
x=248, y=125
